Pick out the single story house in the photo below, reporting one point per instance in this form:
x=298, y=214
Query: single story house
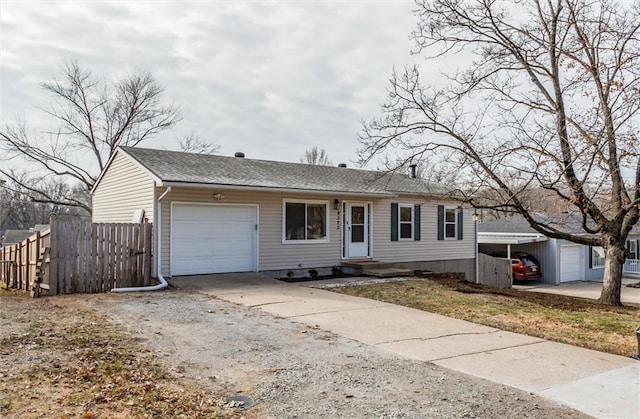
x=216, y=214
x=560, y=260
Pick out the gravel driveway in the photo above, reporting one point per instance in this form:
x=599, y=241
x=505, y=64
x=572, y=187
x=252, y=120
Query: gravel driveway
x=293, y=371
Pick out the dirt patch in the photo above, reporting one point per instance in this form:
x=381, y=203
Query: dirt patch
x=60, y=358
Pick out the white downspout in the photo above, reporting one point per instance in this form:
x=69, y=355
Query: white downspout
x=163, y=283
x=475, y=232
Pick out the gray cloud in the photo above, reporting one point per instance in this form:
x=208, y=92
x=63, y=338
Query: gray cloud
x=271, y=79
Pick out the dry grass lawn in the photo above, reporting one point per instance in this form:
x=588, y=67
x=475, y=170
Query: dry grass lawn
x=563, y=319
x=59, y=359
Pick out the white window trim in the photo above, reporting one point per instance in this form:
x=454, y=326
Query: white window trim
x=400, y=222
x=305, y=201
x=455, y=222
x=593, y=265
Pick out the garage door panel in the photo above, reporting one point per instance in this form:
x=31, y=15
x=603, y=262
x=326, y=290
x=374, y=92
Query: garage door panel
x=213, y=239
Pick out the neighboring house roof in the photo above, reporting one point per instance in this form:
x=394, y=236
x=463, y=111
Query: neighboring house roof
x=15, y=236
x=173, y=167
x=567, y=222
x=513, y=224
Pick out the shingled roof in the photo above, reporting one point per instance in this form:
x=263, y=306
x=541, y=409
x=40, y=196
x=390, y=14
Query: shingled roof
x=570, y=223
x=206, y=169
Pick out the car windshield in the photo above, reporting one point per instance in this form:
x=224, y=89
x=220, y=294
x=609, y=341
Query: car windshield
x=529, y=261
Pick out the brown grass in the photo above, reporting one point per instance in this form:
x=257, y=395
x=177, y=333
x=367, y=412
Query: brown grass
x=563, y=319
x=61, y=360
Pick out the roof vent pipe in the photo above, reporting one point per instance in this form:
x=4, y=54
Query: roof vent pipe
x=342, y=165
x=413, y=170
x=239, y=154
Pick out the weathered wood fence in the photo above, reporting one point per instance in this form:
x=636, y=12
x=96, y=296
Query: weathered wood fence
x=80, y=257
x=495, y=272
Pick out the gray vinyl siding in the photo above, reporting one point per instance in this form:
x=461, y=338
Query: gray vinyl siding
x=124, y=188
x=428, y=248
x=272, y=253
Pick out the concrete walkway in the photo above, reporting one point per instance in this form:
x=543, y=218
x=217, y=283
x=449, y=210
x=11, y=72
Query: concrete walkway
x=596, y=383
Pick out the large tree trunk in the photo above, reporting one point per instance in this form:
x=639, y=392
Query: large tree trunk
x=612, y=282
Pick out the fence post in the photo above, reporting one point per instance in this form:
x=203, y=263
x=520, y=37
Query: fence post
x=53, y=257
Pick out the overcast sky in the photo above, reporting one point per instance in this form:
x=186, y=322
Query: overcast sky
x=268, y=78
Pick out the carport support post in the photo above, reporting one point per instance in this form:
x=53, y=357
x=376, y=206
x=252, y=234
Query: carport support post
x=510, y=264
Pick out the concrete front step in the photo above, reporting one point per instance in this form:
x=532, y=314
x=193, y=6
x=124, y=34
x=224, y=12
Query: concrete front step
x=362, y=265
x=387, y=272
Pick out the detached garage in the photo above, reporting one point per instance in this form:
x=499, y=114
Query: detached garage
x=213, y=238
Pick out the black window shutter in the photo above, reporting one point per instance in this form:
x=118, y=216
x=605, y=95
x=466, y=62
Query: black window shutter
x=416, y=222
x=440, y=222
x=394, y=222
x=460, y=224
x=590, y=257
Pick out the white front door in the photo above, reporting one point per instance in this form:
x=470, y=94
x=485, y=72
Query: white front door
x=357, y=230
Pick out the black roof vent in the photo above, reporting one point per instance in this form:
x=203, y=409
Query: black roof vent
x=342, y=165
x=413, y=170
x=239, y=154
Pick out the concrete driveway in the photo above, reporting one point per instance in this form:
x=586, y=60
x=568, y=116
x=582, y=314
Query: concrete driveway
x=586, y=289
x=596, y=383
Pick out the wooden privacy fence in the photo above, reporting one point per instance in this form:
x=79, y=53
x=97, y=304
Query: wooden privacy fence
x=79, y=257
x=495, y=272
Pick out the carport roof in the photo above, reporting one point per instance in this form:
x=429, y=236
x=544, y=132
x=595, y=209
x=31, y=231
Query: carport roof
x=510, y=238
x=190, y=169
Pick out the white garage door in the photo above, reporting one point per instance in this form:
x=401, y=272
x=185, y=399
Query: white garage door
x=570, y=263
x=213, y=239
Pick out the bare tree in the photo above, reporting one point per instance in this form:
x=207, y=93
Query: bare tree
x=316, y=156
x=550, y=101
x=20, y=211
x=94, y=118
x=192, y=144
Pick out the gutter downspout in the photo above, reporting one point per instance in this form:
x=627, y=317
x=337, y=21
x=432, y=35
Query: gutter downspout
x=475, y=228
x=163, y=283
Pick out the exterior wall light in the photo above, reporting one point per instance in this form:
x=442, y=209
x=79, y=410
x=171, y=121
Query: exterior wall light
x=336, y=204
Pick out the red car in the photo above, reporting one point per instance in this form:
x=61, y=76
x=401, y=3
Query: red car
x=525, y=267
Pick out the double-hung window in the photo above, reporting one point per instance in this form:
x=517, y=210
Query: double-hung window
x=305, y=221
x=406, y=221
x=450, y=223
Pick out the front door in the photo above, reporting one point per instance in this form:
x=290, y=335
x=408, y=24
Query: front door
x=357, y=230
